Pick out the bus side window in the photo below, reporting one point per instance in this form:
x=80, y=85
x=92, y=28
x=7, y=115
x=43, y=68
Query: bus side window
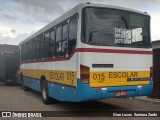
x=58, y=41
x=37, y=48
x=27, y=51
x=72, y=35
x=46, y=44
x=52, y=44
x=41, y=47
x=31, y=49
x=22, y=52
x=34, y=48
x=64, y=39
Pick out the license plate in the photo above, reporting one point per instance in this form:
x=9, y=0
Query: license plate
x=121, y=93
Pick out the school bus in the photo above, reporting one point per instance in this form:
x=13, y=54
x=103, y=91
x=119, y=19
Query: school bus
x=91, y=52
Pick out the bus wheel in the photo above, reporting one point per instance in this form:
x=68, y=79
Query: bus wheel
x=44, y=93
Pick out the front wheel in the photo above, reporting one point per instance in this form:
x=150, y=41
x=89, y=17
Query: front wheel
x=44, y=93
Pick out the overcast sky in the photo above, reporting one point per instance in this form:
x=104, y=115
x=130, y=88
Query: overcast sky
x=21, y=18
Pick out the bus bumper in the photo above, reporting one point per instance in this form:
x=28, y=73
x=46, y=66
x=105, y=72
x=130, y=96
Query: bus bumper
x=85, y=92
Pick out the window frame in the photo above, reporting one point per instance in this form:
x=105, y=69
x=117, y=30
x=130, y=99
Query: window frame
x=41, y=46
x=59, y=26
x=41, y=37
x=31, y=48
x=62, y=40
x=44, y=54
x=74, y=17
x=54, y=43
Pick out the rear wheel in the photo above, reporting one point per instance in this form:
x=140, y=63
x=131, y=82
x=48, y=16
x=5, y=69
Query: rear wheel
x=44, y=93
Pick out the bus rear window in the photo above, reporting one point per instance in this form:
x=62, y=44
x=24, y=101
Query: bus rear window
x=111, y=27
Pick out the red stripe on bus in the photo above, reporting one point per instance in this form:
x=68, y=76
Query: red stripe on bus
x=91, y=50
x=112, y=51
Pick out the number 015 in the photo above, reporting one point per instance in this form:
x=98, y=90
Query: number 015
x=100, y=77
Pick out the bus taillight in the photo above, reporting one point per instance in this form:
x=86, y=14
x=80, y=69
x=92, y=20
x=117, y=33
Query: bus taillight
x=84, y=74
x=151, y=72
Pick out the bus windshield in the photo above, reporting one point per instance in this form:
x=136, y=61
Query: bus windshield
x=111, y=27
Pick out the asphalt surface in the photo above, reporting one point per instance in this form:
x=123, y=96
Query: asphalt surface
x=14, y=98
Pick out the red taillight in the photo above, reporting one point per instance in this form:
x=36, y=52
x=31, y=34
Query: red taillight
x=151, y=72
x=84, y=74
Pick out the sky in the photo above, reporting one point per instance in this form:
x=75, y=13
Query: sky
x=21, y=18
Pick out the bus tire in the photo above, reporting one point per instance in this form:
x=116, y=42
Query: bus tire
x=44, y=93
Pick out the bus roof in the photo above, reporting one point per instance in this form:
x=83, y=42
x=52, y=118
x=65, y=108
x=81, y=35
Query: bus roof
x=76, y=9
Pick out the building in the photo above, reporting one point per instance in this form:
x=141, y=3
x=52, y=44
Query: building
x=9, y=62
x=156, y=69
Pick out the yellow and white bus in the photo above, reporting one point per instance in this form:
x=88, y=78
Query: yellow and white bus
x=91, y=52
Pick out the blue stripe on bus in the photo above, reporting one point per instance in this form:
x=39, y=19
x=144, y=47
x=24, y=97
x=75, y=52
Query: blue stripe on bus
x=86, y=93
x=62, y=92
x=32, y=83
x=83, y=92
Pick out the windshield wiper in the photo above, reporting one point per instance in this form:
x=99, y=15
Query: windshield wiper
x=91, y=35
x=94, y=32
x=125, y=22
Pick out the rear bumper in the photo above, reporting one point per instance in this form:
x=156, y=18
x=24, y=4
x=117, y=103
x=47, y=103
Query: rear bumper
x=85, y=92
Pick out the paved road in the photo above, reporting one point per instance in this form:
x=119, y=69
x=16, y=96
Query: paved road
x=13, y=98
